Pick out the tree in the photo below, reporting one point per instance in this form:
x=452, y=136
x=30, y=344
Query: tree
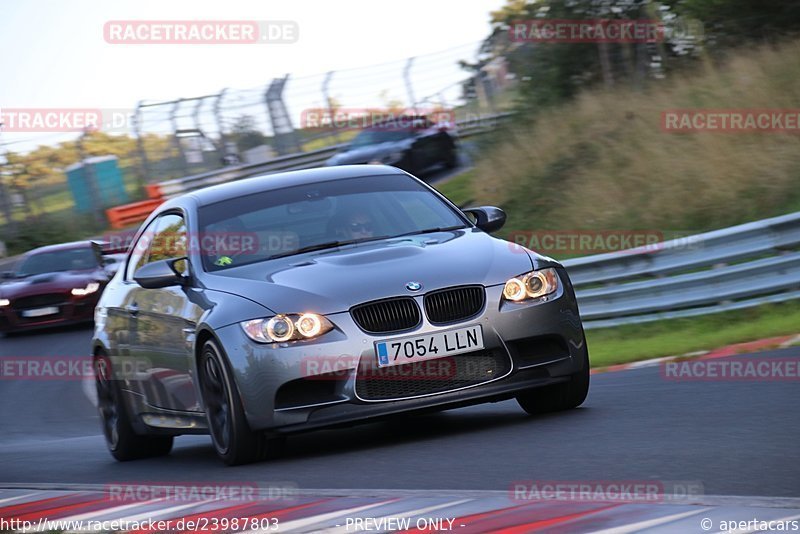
x=245, y=133
x=731, y=23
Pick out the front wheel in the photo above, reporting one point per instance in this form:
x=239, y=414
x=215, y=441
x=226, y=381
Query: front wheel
x=122, y=441
x=558, y=397
x=451, y=160
x=233, y=440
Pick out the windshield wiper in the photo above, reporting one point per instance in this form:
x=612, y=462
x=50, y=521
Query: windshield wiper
x=336, y=244
x=431, y=230
x=323, y=246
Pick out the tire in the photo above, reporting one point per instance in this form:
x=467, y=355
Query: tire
x=122, y=441
x=234, y=442
x=558, y=397
x=451, y=161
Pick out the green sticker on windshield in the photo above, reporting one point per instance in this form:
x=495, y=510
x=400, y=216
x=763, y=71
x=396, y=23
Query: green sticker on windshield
x=224, y=261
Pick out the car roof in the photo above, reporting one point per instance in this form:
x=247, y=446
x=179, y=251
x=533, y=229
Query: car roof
x=269, y=182
x=61, y=246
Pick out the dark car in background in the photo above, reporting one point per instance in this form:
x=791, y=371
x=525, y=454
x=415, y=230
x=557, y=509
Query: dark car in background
x=414, y=144
x=54, y=285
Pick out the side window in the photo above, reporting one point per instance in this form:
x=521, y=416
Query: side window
x=164, y=238
x=169, y=241
x=140, y=251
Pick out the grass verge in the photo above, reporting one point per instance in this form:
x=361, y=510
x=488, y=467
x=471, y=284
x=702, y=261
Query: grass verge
x=458, y=188
x=672, y=337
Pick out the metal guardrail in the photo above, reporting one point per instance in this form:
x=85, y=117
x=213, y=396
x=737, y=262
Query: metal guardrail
x=304, y=160
x=726, y=269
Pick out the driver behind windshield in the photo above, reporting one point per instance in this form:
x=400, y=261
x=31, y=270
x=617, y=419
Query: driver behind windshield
x=354, y=225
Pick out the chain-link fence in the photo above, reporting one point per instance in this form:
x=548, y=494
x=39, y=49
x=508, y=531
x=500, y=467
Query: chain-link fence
x=190, y=135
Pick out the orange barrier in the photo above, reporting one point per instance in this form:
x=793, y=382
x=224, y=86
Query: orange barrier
x=122, y=216
x=153, y=191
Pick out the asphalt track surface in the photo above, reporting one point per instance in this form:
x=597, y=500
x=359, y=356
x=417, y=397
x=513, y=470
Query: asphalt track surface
x=735, y=438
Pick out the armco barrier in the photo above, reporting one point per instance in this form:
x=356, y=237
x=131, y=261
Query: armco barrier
x=723, y=270
x=122, y=216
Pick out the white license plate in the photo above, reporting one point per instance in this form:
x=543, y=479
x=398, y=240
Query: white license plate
x=430, y=346
x=40, y=312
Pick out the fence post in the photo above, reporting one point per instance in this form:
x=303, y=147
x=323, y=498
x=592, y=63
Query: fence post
x=329, y=105
x=176, y=140
x=144, y=166
x=282, y=129
x=223, y=140
x=409, y=85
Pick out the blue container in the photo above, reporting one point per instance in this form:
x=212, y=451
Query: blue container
x=110, y=186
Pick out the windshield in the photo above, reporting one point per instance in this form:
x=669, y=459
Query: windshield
x=374, y=137
x=76, y=259
x=320, y=215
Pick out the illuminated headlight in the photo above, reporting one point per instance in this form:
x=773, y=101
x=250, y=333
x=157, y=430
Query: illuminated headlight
x=286, y=328
x=88, y=290
x=4, y=302
x=531, y=285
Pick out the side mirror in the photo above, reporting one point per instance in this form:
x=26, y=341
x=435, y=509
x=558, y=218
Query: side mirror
x=158, y=274
x=487, y=218
x=7, y=275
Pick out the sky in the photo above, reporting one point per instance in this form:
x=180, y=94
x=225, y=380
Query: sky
x=53, y=53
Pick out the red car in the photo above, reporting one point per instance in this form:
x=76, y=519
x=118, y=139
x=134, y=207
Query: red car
x=54, y=285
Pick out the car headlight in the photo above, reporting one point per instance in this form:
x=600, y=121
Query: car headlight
x=90, y=288
x=4, y=302
x=532, y=285
x=283, y=328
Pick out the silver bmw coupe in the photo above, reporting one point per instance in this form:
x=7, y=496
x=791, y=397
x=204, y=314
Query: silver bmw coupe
x=308, y=299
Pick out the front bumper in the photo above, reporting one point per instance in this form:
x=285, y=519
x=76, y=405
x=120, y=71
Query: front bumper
x=71, y=310
x=543, y=341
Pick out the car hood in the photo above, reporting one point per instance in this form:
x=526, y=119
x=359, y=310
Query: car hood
x=334, y=280
x=365, y=154
x=48, y=283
